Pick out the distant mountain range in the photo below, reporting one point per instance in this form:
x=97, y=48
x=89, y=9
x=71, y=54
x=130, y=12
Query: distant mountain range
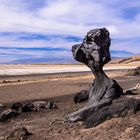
x=130, y=60
x=63, y=60
x=121, y=54
x=44, y=60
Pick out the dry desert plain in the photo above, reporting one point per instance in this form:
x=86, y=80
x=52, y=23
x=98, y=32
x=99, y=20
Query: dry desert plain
x=59, y=83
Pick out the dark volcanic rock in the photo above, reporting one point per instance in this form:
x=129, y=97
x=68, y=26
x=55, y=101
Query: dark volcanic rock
x=8, y=114
x=106, y=98
x=81, y=96
x=129, y=92
x=27, y=107
x=94, y=53
x=133, y=91
x=39, y=104
x=51, y=105
x=119, y=108
x=16, y=106
x=19, y=134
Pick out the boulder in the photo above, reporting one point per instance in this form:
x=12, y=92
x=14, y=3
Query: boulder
x=39, y=104
x=28, y=107
x=81, y=96
x=8, y=114
x=51, y=105
x=119, y=108
x=16, y=106
x=94, y=52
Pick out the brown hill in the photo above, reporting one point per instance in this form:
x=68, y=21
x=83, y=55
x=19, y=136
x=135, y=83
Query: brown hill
x=129, y=60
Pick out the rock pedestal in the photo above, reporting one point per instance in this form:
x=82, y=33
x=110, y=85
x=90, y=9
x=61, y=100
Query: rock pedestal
x=94, y=52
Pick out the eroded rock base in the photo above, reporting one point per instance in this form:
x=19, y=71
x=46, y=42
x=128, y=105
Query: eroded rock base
x=119, y=108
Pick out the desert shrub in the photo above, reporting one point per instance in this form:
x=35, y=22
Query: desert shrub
x=134, y=72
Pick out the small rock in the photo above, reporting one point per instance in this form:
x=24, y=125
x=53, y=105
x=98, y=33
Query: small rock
x=27, y=107
x=128, y=130
x=39, y=104
x=8, y=114
x=19, y=134
x=128, y=92
x=81, y=96
x=59, y=121
x=60, y=131
x=80, y=122
x=133, y=91
x=16, y=106
x=51, y=105
x=2, y=106
x=50, y=129
x=138, y=86
x=4, y=81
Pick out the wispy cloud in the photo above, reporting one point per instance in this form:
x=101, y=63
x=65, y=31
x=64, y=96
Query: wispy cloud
x=59, y=24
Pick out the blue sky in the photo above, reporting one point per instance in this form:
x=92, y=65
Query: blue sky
x=46, y=29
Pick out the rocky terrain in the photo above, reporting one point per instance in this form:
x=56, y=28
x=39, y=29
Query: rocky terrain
x=49, y=124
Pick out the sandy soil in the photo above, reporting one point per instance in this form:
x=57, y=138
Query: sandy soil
x=59, y=88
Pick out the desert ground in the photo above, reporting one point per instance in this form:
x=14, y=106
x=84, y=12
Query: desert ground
x=59, y=83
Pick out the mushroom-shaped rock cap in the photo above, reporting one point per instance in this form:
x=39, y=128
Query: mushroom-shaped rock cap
x=95, y=48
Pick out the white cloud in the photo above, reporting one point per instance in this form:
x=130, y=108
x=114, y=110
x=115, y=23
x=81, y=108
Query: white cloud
x=129, y=45
x=14, y=41
x=71, y=17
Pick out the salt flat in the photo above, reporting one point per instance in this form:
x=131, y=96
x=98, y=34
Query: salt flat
x=44, y=69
